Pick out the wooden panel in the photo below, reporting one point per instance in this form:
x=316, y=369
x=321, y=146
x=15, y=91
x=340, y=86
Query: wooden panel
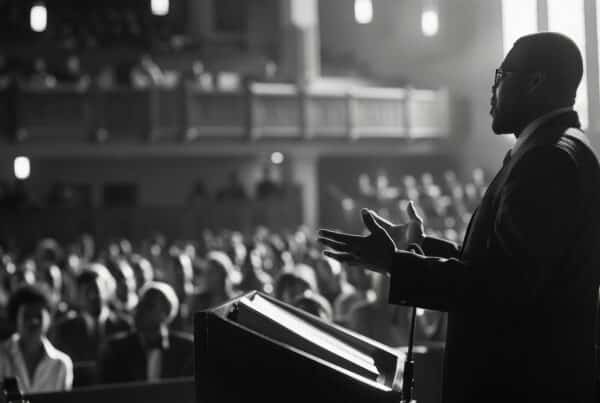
x=276, y=111
x=125, y=114
x=215, y=114
x=327, y=116
x=53, y=114
x=378, y=118
x=428, y=113
x=169, y=112
x=268, y=110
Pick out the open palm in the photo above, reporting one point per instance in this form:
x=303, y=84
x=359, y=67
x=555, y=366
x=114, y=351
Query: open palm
x=374, y=251
x=410, y=232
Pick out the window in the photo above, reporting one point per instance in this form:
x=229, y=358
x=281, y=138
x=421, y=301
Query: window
x=519, y=17
x=567, y=18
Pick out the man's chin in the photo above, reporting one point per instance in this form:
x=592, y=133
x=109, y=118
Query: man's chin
x=500, y=127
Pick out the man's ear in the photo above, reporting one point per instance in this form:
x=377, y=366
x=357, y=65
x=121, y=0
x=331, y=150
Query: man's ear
x=536, y=80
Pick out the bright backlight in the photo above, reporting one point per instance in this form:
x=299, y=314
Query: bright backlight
x=277, y=158
x=38, y=18
x=430, y=22
x=22, y=168
x=363, y=11
x=160, y=7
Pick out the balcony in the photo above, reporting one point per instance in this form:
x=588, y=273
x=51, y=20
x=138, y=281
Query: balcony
x=187, y=113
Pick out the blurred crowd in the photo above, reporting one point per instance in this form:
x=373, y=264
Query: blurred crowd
x=71, y=312
x=140, y=72
x=270, y=185
x=445, y=201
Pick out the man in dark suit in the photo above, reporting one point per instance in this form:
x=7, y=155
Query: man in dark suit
x=81, y=333
x=151, y=352
x=521, y=292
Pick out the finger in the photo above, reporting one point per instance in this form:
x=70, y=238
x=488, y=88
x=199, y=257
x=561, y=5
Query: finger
x=339, y=236
x=412, y=212
x=381, y=221
x=338, y=246
x=370, y=222
x=342, y=257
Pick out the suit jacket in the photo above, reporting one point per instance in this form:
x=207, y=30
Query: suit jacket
x=521, y=293
x=123, y=359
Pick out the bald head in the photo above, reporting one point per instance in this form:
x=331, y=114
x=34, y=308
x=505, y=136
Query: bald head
x=540, y=74
x=552, y=54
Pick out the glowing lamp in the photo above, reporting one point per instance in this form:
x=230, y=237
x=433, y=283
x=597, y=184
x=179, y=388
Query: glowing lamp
x=160, y=7
x=38, y=18
x=363, y=11
x=430, y=23
x=277, y=158
x=22, y=168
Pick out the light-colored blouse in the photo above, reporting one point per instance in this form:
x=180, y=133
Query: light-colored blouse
x=54, y=372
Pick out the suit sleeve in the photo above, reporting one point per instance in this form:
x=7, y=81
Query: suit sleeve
x=531, y=228
x=433, y=246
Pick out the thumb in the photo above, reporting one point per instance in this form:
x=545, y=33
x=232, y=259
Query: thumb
x=370, y=222
x=385, y=224
x=412, y=212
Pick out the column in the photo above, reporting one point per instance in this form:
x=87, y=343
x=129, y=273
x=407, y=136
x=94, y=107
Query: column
x=300, y=45
x=305, y=173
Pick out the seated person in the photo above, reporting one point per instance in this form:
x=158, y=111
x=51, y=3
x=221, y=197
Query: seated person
x=40, y=78
x=217, y=285
x=151, y=351
x=73, y=74
x=290, y=286
x=28, y=355
x=378, y=320
x=234, y=189
x=82, y=333
x=356, y=288
x=315, y=304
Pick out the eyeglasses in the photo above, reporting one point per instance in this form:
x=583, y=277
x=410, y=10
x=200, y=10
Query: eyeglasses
x=501, y=74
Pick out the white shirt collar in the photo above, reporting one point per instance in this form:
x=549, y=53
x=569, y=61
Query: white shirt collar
x=535, y=124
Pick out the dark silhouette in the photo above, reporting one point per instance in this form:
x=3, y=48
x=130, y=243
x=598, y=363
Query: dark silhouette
x=521, y=292
x=84, y=331
x=153, y=351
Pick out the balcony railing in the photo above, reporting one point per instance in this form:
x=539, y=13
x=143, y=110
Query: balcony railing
x=189, y=113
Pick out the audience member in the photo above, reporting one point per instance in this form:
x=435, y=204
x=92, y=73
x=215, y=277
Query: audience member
x=378, y=319
x=28, y=355
x=314, y=304
x=153, y=351
x=142, y=270
x=84, y=331
x=217, y=282
x=290, y=286
x=356, y=288
x=234, y=189
x=269, y=185
x=253, y=275
x=40, y=77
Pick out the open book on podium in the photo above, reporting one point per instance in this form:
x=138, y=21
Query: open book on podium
x=258, y=349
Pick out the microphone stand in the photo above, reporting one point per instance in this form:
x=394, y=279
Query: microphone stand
x=408, y=377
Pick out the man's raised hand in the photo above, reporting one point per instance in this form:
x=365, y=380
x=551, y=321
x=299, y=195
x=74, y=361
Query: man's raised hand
x=405, y=234
x=374, y=251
